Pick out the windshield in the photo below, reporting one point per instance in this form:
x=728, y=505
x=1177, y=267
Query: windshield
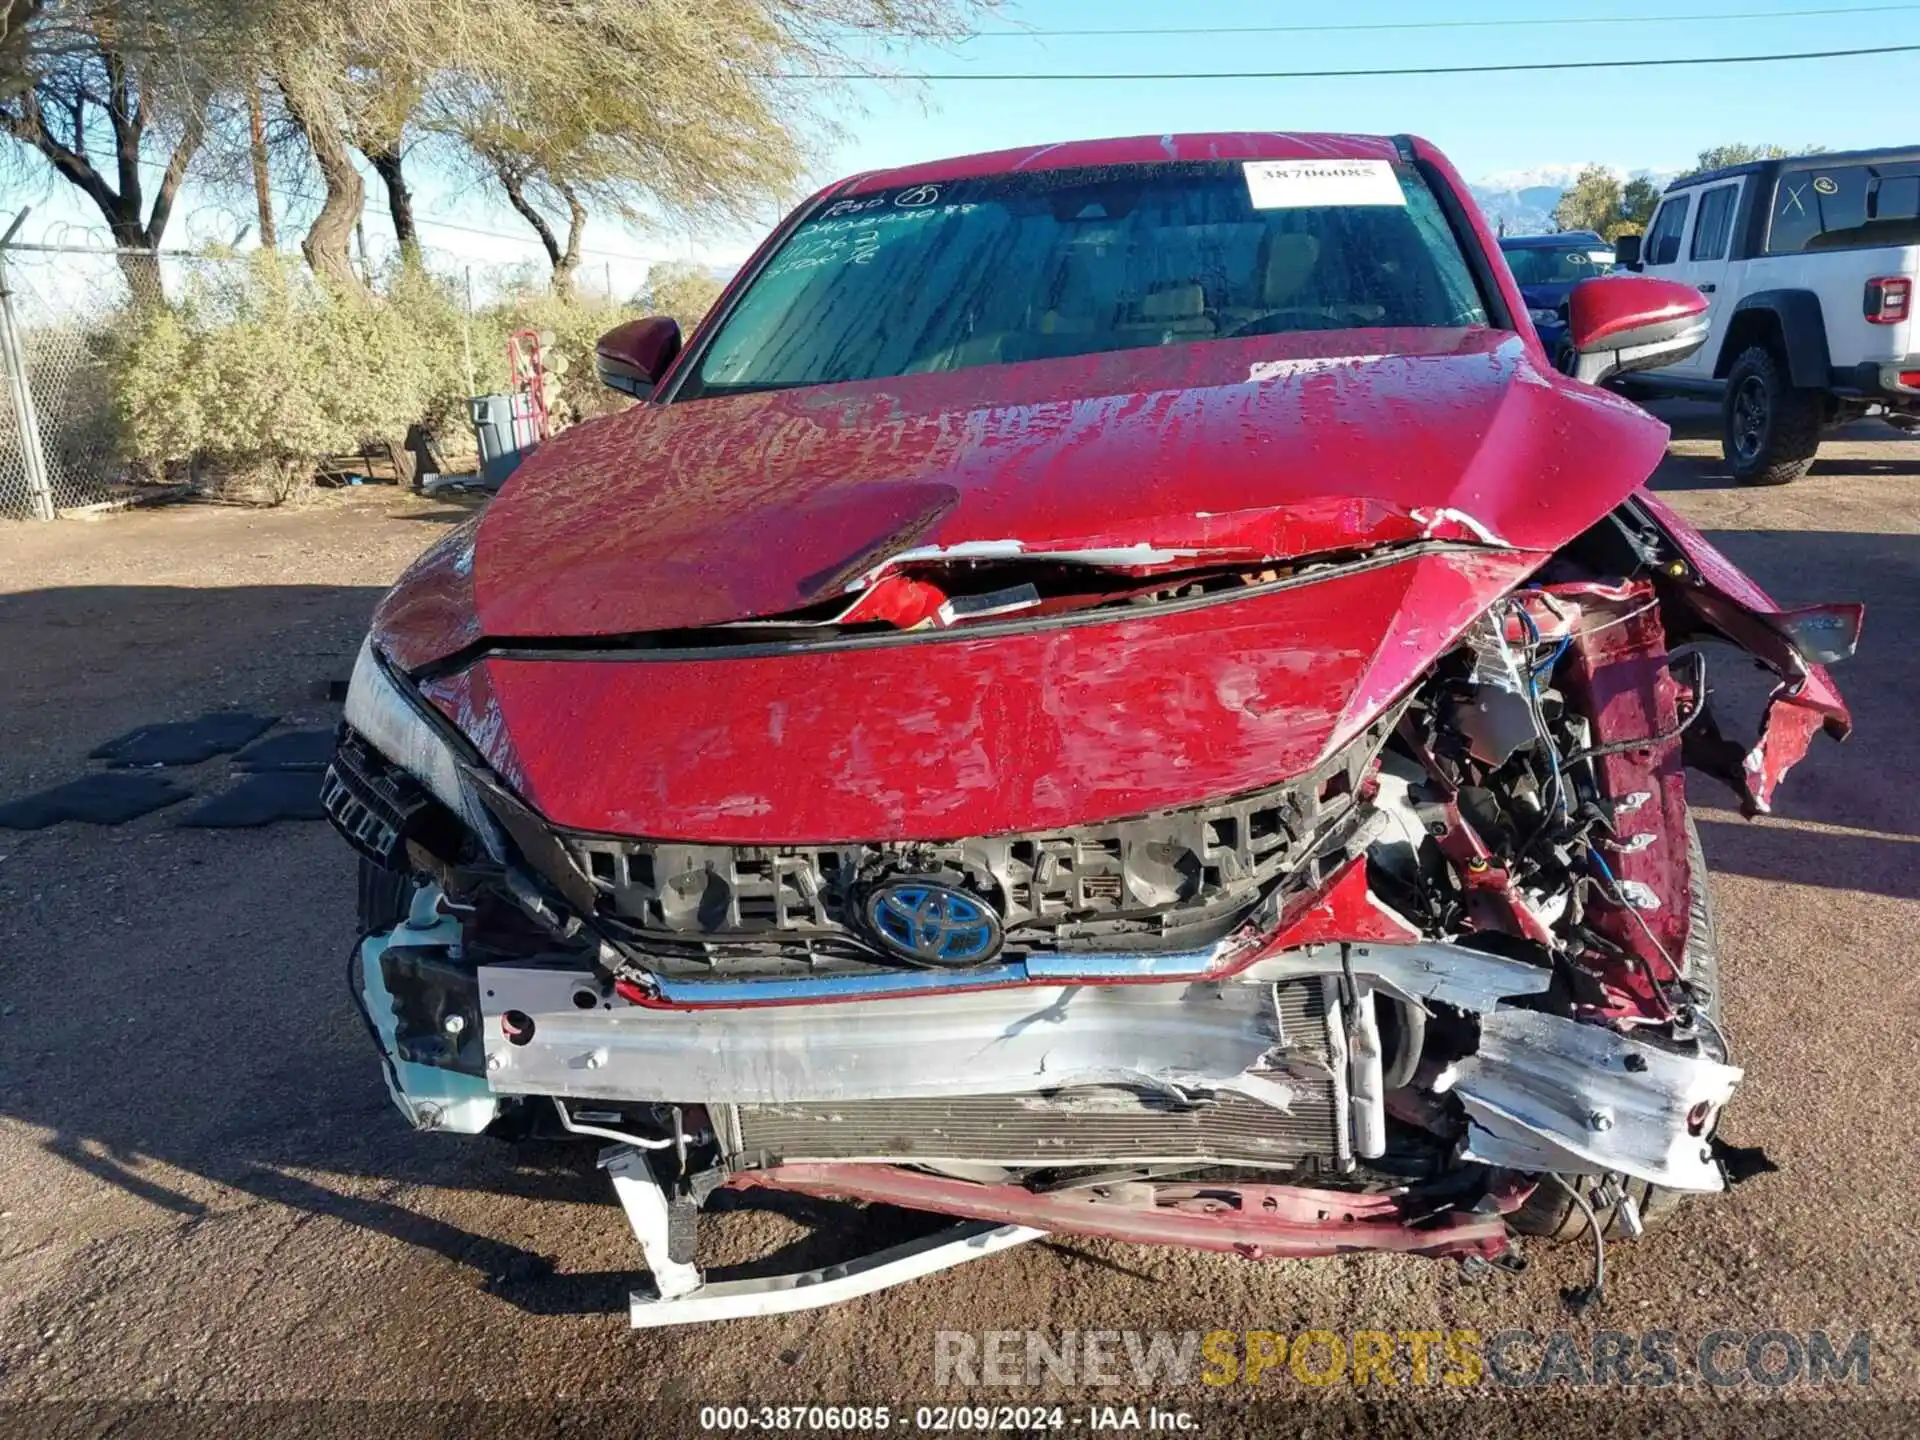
x=938, y=277
x=1558, y=264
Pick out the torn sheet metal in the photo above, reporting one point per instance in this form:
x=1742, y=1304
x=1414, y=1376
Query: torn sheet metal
x=1796, y=644
x=985, y=1043
x=1547, y=1094
x=1785, y=734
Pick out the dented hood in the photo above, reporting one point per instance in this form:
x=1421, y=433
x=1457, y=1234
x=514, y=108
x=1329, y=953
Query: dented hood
x=673, y=517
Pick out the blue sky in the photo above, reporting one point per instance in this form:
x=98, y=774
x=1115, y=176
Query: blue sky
x=1491, y=125
x=1486, y=123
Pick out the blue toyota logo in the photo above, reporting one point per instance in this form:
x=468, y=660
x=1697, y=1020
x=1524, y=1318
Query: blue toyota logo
x=933, y=924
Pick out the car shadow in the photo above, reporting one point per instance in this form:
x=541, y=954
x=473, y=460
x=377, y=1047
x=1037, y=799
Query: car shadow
x=1865, y=467
x=1797, y=856
x=1697, y=420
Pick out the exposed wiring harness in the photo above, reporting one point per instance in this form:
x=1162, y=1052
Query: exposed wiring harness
x=1617, y=747
x=1621, y=899
x=1585, y=1297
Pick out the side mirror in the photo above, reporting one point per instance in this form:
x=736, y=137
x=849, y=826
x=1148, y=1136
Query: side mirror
x=1618, y=324
x=632, y=357
x=1626, y=252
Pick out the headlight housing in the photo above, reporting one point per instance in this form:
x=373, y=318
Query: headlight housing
x=1544, y=316
x=382, y=711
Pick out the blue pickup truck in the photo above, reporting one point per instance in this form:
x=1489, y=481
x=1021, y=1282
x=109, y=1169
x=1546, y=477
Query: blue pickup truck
x=1548, y=267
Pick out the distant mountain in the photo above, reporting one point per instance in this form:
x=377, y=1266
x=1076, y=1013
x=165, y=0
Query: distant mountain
x=1523, y=200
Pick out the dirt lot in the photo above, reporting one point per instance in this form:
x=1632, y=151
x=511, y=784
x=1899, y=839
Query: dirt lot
x=205, y=1196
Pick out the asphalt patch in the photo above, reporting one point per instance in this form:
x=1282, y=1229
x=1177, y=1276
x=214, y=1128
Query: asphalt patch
x=291, y=750
x=94, y=800
x=261, y=799
x=183, y=742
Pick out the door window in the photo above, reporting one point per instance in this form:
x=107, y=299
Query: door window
x=1663, y=240
x=1715, y=224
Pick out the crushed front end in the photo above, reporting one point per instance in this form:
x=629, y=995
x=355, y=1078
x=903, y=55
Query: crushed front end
x=1346, y=902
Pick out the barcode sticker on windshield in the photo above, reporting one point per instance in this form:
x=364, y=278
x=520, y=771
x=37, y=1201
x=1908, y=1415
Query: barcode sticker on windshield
x=1294, y=184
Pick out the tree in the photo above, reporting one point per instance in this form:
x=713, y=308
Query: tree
x=680, y=289
x=382, y=108
x=626, y=108
x=1592, y=202
x=110, y=92
x=20, y=37
x=630, y=109
x=1718, y=157
x=1638, y=200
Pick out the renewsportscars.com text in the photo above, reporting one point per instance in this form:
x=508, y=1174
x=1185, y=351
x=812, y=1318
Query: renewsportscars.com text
x=1519, y=1359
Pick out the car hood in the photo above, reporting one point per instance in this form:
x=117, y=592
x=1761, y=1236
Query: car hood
x=693, y=514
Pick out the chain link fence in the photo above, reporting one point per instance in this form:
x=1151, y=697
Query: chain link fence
x=61, y=308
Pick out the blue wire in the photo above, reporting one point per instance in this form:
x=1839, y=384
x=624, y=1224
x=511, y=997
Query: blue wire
x=1533, y=630
x=1554, y=659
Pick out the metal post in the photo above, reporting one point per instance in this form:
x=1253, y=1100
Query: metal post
x=33, y=457
x=466, y=331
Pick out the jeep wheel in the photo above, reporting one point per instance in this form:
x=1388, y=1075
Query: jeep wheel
x=1550, y=1212
x=1772, y=430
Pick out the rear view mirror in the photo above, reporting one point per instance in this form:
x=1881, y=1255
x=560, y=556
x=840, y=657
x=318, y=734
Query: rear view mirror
x=1618, y=324
x=1626, y=252
x=632, y=357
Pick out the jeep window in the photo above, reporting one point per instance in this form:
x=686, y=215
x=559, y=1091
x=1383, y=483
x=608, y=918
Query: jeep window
x=1556, y=264
x=1663, y=239
x=1710, y=231
x=1002, y=268
x=1849, y=207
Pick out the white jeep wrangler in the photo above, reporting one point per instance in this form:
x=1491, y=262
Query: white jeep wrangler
x=1809, y=266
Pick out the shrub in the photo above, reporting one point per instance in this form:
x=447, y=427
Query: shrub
x=256, y=371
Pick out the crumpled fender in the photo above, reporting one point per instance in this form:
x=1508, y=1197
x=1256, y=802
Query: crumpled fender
x=1721, y=599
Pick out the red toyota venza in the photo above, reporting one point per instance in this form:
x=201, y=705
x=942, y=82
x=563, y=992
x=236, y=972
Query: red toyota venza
x=1107, y=688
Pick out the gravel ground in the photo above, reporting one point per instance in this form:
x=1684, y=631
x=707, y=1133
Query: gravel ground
x=205, y=1196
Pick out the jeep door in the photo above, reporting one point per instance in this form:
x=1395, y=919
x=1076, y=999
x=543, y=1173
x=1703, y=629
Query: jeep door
x=1661, y=254
x=1704, y=266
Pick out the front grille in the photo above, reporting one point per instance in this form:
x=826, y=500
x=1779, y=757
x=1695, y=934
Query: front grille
x=1079, y=1126
x=1180, y=878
